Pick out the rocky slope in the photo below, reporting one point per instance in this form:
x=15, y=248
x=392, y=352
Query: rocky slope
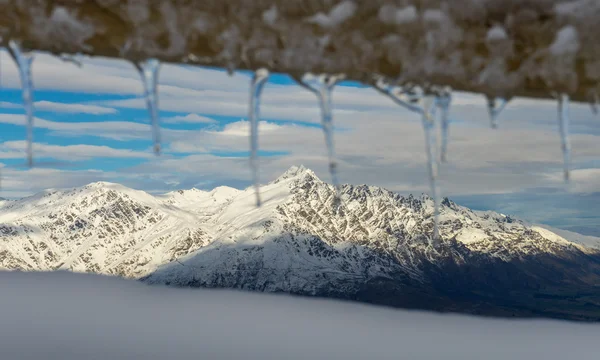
x=375, y=248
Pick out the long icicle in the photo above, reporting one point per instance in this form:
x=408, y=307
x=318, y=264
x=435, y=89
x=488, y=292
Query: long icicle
x=594, y=102
x=428, y=122
x=24, y=61
x=427, y=113
x=563, y=127
x=495, y=107
x=443, y=101
x=258, y=81
x=322, y=87
x=148, y=70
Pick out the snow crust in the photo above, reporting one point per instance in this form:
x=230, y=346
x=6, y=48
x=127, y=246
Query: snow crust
x=66, y=316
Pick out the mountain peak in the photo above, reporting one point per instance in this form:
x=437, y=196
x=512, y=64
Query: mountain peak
x=103, y=184
x=296, y=171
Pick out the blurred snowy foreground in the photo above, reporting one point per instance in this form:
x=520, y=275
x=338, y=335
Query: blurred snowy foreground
x=76, y=316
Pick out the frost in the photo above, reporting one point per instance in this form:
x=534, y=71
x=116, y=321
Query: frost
x=496, y=33
x=563, y=127
x=434, y=16
x=566, y=42
x=24, y=61
x=567, y=8
x=337, y=15
x=406, y=15
x=389, y=14
x=270, y=16
x=177, y=38
x=149, y=72
x=138, y=11
x=64, y=28
x=258, y=81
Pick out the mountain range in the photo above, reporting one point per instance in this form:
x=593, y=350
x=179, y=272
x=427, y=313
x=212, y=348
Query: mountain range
x=376, y=247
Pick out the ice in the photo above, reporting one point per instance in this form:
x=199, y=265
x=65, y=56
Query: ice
x=400, y=96
x=148, y=70
x=270, y=15
x=563, y=127
x=565, y=42
x=495, y=106
x=434, y=16
x=496, y=33
x=258, y=81
x=322, y=86
x=428, y=122
x=594, y=102
x=337, y=15
x=443, y=101
x=73, y=59
x=24, y=61
x=407, y=98
x=391, y=15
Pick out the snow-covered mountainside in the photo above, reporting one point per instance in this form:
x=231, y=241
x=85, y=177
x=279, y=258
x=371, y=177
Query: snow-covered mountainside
x=376, y=247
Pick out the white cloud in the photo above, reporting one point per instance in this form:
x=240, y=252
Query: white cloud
x=9, y=105
x=582, y=180
x=73, y=108
x=189, y=118
x=115, y=130
x=18, y=183
x=16, y=149
x=63, y=107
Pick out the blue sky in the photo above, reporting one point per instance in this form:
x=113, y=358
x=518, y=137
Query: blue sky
x=92, y=125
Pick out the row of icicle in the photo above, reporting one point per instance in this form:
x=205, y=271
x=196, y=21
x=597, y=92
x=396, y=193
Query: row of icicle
x=426, y=104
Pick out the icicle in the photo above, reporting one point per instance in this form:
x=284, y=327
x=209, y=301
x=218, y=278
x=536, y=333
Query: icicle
x=396, y=94
x=594, y=102
x=563, y=126
x=443, y=101
x=258, y=81
x=428, y=122
x=408, y=99
x=495, y=107
x=321, y=86
x=148, y=70
x=24, y=61
x=73, y=59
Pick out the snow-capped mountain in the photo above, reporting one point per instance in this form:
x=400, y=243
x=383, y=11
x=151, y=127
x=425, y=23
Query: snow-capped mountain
x=376, y=247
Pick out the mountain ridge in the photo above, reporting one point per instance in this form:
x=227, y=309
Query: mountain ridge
x=378, y=242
